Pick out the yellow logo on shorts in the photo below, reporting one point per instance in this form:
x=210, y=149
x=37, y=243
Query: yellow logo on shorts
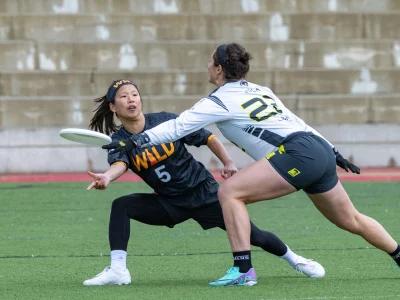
x=294, y=172
x=122, y=143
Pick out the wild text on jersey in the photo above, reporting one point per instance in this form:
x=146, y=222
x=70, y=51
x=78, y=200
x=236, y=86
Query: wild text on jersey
x=151, y=156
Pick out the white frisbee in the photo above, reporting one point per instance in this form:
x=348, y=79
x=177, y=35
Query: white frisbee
x=84, y=136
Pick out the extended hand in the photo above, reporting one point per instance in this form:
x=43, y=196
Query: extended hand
x=127, y=145
x=100, y=181
x=344, y=163
x=228, y=170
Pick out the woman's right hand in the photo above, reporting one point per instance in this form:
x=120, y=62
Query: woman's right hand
x=100, y=181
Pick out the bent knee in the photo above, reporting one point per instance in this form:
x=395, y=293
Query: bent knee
x=227, y=192
x=223, y=193
x=351, y=223
x=120, y=203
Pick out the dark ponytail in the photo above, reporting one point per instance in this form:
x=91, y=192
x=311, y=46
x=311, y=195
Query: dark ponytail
x=103, y=119
x=234, y=60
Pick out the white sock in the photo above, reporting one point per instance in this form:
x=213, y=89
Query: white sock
x=290, y=257
x=118, y=259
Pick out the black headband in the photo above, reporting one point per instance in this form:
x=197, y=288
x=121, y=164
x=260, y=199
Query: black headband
x=221, y=57
x=114, y=87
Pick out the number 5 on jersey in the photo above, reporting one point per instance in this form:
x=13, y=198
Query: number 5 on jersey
x=163, y=175
x=260, y=110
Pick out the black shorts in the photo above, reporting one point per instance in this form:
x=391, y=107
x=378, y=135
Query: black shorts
x=307, y=162
x=154, y=209
x=208, y=216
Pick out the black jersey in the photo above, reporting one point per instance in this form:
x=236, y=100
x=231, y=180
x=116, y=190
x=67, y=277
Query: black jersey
x=169, y=168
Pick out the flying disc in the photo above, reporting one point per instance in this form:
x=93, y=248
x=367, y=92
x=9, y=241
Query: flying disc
x=84, y=136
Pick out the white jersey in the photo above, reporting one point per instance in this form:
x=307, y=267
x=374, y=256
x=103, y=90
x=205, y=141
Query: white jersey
x=250, y=116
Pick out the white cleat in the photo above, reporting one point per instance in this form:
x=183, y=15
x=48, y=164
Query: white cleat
x=309, y=268
x=110, y=276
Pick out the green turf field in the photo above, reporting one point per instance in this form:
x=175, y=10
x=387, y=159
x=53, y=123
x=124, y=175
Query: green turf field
x=54, y=235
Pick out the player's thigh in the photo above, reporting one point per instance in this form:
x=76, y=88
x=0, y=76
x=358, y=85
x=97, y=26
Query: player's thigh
x=256, y=182
x=336, y=206
x=153, y=209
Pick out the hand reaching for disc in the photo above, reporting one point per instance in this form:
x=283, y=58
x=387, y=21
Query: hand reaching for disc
x=100, y=181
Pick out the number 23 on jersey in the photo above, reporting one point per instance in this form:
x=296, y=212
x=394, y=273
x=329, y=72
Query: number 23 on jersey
x=261, y=109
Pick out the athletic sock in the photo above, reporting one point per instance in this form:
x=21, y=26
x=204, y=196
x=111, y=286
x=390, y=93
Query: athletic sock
x=242, y=260
x=118, y=259
x=290, y=256
x=396, y=255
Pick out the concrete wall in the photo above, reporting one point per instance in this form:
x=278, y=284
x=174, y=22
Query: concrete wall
x=335, y=63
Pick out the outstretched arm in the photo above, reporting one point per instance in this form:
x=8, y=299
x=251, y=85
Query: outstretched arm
x=102, y=180
x=219, y=150
x=203, y=113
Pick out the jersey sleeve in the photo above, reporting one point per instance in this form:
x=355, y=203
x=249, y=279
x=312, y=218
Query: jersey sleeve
x=197, y=138
x=113, y=157
x=206, y=111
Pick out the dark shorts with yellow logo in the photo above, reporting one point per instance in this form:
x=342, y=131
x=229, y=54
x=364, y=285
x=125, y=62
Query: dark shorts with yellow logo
x=307, y=162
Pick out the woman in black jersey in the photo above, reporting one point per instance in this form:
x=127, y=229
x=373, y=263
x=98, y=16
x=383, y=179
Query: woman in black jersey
x=184, y=189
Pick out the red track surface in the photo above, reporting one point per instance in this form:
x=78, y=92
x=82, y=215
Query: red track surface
x=367, y=174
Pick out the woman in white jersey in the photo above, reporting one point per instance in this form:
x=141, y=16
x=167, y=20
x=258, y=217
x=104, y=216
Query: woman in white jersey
x=289, y=154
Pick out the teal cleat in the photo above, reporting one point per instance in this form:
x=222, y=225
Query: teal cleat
x=234, y=278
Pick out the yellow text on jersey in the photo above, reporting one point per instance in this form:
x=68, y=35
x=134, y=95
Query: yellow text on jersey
x=150, y=156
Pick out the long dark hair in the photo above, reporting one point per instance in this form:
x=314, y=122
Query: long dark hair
x=103, y=119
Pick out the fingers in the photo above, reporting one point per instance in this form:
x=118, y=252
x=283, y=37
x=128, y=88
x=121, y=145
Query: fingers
x=91, y=185
x=347, y=165
x=227, y=174
x=97, y=185
x=223, y=174
x=354, y=169
x=100, y=187
x=344, y=164
x=96, y=177
x=111, y=145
